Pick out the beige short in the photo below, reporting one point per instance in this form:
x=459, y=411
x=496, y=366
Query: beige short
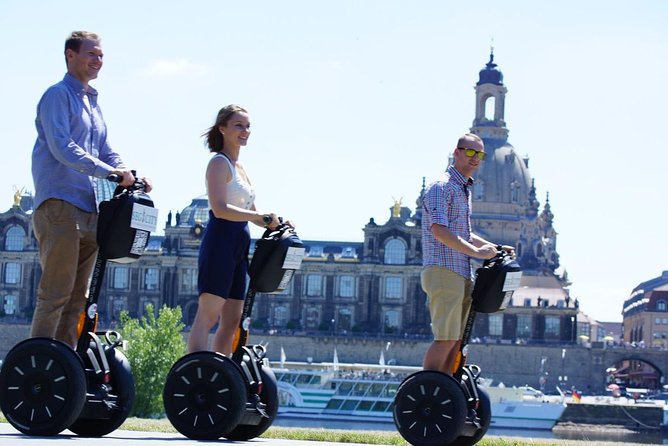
x=449, y=299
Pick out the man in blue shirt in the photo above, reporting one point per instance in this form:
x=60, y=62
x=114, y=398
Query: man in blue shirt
x=71, y=153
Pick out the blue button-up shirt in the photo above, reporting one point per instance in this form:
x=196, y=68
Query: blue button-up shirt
x=71, y=146
x=447, y=203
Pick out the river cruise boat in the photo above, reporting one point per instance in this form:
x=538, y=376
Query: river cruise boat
x=365, y=392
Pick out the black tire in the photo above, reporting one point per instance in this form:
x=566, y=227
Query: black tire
x=484, y=412
x=269, y=396
x=204, y=396
x=42, y=386
x=123, y=387
x=429, y=409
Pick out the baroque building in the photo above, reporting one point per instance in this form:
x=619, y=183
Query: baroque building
x=369, y=288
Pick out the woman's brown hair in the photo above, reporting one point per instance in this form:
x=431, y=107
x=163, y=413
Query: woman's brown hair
x=214, y=139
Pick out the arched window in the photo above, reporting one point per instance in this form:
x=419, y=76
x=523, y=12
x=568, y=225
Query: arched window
x=14, y=240
x=395, y=252
x=514, y=192
x=490, y=108
x=661, y=305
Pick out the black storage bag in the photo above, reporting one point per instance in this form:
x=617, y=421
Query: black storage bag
x=267, y=274
x=118, y=241
x=489, y=295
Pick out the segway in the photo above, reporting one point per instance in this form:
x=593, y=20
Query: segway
x=208, y=395
x=45, y=385
x=434, y=409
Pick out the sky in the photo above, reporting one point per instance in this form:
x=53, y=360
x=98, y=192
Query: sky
x=353, y=102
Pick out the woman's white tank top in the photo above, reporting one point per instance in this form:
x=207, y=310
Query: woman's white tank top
x=239, y=192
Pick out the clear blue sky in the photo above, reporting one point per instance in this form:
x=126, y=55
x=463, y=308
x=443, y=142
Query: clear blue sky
x=352, y=102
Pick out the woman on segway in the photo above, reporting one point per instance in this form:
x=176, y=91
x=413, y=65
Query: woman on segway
x=223, y=255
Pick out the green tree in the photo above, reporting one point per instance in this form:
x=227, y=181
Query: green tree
x=155, y=344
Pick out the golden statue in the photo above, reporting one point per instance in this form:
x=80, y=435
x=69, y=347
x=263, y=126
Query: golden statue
x=396, y=209
x=18, y=193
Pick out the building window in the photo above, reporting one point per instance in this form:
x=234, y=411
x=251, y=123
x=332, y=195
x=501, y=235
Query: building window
x=391, y=320
x=495, y=325
x=552, y=327
x=478, y=190
x=514, y=192
x=314, y=285
x=10, y=304
x=280, y=318
x=561, y=303
x=144, y=302
x=118, y=305
x=151, y=278
x=119, y=278
x=315, y=251
x=347, y=286
x=15, y=239
x=657, y=321
x=344, y=320
x=393, y=287
x=524, y=325
x=311, y=318
x=13, y=273
x=188, y=280
x=395, y=252
x=661, y=305
x=527, y=301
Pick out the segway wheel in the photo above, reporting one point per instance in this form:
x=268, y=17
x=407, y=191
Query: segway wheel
x=122, y=385
x=429, y=409
x=204, y=396
x=269, y=397
x=484, y=412
x=42, y=386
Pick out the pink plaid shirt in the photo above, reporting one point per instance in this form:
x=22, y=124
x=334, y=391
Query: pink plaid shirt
x=447, y=203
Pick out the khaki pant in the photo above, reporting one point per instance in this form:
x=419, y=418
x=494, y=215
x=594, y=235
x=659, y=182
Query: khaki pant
x=67, y=252
x=449, y=297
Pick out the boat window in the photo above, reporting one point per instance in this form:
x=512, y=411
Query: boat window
x=365, y=405
x=361, y=388
x=376, y=389
x=391, y=390
x=317, y=379
x=334, y=404
x=344, y=388
x=380, y=406
x=303, y=379
x=350, y=405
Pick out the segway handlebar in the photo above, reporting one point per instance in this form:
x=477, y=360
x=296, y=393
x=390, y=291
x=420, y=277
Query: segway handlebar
x=138, y=185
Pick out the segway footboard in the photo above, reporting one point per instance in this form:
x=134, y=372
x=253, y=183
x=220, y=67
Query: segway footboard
x=261, y=398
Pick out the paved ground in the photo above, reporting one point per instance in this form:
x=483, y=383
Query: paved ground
x=11, y=437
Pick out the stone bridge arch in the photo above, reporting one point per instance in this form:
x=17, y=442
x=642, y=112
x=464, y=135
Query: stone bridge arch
x=636, y=371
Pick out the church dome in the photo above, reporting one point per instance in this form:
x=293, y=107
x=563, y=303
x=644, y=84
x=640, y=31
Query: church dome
x=196, y=212
x=490, y=74
x=504, y=175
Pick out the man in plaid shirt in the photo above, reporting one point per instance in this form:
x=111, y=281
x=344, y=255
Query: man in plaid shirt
x=447, y=247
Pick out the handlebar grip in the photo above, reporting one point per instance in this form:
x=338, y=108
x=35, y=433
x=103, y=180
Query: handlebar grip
x=114, y=178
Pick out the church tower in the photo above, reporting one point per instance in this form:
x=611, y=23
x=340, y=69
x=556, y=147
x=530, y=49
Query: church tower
x=505, y=207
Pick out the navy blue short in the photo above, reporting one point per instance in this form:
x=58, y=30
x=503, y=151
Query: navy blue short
x=223, y=258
